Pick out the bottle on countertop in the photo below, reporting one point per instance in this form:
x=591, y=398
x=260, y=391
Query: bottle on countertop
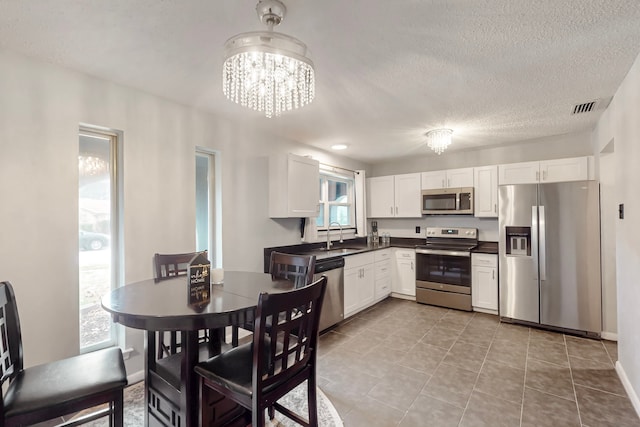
x=374, y=232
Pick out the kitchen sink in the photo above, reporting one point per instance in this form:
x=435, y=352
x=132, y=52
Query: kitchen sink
x=334, y=251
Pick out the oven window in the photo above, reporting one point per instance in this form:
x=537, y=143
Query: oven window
x=451, y=270
x=439, y=202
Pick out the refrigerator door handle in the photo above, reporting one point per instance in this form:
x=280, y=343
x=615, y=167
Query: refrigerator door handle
x=534, y=240
x=543, y=252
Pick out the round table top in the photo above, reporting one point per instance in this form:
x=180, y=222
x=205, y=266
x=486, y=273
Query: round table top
x=163, y=305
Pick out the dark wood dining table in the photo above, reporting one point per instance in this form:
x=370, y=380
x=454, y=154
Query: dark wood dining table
x=171, y=385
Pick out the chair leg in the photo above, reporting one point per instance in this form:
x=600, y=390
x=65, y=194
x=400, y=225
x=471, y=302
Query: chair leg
x=257, y=415
x=312, y=400
x=118, y=410
x=272, y=412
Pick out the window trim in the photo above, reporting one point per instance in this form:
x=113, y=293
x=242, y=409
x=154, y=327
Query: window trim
x=325, y=205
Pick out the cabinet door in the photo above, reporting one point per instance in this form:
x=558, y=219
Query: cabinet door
x=351, y=284
x=460, y=177
x=407, y=196
x=404, y=280
x=366, y=286
x=433, y=180
x=304, y=188
x=561, y=170
x=294, y=189
x=380, y=197
x=519, y=173
x=486, y=191
x=484, y=288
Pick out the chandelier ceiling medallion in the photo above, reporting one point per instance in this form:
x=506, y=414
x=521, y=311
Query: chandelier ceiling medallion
x=265, y=70
x=439, y=139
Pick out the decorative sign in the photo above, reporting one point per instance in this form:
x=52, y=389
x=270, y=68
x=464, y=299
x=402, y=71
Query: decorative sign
x=199, y=280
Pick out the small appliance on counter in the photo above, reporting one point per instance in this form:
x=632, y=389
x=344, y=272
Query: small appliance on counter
x=374, y=232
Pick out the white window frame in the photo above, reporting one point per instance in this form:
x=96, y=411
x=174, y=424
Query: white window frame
x=326, y=205
x=117, y=336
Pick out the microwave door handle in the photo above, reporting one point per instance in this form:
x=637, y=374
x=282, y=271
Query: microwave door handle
x=543, y=244
x=457, y=201
x=534, y=240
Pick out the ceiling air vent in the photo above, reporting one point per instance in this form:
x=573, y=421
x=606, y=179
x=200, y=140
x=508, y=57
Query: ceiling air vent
x=587, y=107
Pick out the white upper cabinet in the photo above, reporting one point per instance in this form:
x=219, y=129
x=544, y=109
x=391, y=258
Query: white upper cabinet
x=294, y=186
x=450, y=178
x=407, y=196
x=486, y=191
x=559, y=170
x=395, y=196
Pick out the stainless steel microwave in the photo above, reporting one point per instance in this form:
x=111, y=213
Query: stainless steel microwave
x=447, y=201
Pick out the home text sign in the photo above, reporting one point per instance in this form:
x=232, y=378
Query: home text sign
x=199, y=286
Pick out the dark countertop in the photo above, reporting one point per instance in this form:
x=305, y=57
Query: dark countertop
x=348, y=247
x=486, y=248
x=358, y=246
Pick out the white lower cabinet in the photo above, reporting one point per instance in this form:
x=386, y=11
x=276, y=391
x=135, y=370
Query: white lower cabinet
x=484, y=282
x=382, y=274
x=359, y=288
x=404, y=279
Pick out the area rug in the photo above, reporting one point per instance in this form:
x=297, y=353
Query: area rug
x=134, y=408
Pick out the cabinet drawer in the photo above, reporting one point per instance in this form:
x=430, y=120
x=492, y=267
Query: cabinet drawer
x=382, y=255
x=405, y=254
x=382, y=269
x=358, y=260
x=383, y=287
x=484, y=260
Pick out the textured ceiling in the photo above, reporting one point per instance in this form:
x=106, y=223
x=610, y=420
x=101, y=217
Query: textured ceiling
x=495, y=71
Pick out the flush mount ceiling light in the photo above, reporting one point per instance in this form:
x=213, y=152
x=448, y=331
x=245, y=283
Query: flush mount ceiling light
x=265, y=70
x=439, y=139
x=339, y=146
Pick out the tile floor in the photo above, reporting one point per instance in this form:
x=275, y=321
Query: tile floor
x=400, y=363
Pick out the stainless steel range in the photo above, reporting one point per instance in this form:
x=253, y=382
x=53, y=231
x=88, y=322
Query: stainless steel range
x=443, y=267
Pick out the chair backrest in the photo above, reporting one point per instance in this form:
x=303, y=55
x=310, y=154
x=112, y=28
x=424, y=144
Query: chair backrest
x=298, y=269
x=286, y=334
x=170, y=265
x=11, y=345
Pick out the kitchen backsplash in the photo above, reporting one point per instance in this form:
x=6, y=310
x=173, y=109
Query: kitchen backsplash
x=406, y=227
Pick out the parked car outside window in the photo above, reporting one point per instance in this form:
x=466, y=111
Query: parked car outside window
x=93, y=241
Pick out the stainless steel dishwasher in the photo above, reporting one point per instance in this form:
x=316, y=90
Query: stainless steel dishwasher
x=333, y=304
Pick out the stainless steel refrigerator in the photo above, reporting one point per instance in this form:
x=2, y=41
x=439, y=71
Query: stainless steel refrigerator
x=550, y=255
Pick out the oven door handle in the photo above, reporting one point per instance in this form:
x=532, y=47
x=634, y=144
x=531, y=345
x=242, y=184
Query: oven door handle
x=443, y=252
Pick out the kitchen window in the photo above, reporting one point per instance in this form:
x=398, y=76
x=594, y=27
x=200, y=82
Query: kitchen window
x=336, y=200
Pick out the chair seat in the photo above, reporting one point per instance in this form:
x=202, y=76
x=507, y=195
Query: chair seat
x=65, y=381
x=234, y=368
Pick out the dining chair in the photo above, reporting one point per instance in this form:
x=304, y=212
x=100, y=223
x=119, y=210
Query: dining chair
x=168, y=266
x=58, y=388
x=281, y=356
x=298, y=269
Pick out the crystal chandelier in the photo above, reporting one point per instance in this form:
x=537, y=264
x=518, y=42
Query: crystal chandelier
x=439, y=139
x=265, y=70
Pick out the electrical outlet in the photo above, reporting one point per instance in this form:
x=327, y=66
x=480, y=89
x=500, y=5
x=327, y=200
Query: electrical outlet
x=417, y=229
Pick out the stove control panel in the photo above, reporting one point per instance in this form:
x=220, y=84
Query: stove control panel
x=452, y=233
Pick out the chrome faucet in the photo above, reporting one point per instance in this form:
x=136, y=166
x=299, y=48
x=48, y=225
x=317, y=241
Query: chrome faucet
x=329, y=234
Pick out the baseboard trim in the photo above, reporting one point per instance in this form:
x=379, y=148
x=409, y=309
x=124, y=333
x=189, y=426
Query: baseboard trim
x=610, y=336
x=628, y=387
x=136, y=377
x=403, y=296
x=485, y=310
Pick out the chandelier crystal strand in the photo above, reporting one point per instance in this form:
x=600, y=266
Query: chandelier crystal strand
x=439, y=139
x=268, y=71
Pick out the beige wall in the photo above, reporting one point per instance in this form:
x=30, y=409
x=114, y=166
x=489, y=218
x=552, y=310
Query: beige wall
x=620, y=126
x=41, y=107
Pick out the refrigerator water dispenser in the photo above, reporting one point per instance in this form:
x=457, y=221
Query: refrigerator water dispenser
x=518, y=241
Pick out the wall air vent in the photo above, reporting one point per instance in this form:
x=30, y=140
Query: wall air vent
x=587, y=107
